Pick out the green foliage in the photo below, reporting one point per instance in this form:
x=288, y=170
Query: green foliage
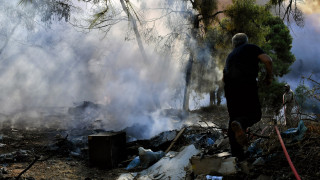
x=49, y=10
x=203, y=74
x=247, y=17
x=207, y=9
x=242, y=16
x=313, y=92
x=301, y=94
x=276, y=2
x=306, y=100
x=278, y=45
x=265, y=30
x=218, y=41
x=271, y=96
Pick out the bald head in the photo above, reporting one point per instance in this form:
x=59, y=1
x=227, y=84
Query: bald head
x=239, y=39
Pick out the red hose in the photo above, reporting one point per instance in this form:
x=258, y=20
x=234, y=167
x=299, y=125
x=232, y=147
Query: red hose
x=287, y=155
x=284, y=110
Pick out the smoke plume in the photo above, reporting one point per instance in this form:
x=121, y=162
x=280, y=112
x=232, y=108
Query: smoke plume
x=310, y=6
x=306, y=48
x=53, y=68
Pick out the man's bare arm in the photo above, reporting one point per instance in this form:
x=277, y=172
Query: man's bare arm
x=267, y=61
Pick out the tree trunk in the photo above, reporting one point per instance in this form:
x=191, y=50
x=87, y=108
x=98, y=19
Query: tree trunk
x=8, y=38
x=212, y=97
x=193, y=34
x=220, y=92
x=188, y=79
x=135, y=29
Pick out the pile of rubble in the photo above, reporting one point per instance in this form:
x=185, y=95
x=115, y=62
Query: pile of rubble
x=200, y=151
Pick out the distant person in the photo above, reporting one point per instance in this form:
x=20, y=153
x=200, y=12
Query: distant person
x=241, y=90
x=216, y=94
x=288, y=104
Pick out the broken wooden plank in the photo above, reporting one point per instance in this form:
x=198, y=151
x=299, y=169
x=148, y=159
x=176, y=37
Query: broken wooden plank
x=175, y=139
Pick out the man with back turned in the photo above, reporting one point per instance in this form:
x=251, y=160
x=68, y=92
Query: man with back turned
x=241, y=90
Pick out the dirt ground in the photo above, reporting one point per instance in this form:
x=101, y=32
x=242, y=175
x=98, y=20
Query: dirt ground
x=19, y=147
x=22, y=146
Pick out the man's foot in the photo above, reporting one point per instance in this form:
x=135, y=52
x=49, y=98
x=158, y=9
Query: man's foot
x=240, y=134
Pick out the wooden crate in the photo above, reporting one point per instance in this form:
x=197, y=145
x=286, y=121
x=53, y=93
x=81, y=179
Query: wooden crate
x=107, y=149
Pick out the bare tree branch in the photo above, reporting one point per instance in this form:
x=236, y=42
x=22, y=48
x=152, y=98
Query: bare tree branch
x=212, y=16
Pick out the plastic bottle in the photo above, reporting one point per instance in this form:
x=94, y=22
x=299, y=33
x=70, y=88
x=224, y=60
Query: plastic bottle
x=134, y=163
x=214, y=177
x=210, y=142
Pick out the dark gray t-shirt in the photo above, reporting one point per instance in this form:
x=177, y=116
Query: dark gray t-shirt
x=242, y=64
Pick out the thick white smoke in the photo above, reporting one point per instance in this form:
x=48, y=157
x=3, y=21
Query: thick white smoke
x=58, y=66
x=306, y=48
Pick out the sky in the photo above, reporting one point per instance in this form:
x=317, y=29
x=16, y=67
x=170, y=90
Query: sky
x=306, y=45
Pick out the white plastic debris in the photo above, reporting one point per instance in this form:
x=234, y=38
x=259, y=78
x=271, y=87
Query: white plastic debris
x=169, y=167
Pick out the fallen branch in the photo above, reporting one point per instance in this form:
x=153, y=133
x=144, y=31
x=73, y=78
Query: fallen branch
x=175, y=139
x=30, y=165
